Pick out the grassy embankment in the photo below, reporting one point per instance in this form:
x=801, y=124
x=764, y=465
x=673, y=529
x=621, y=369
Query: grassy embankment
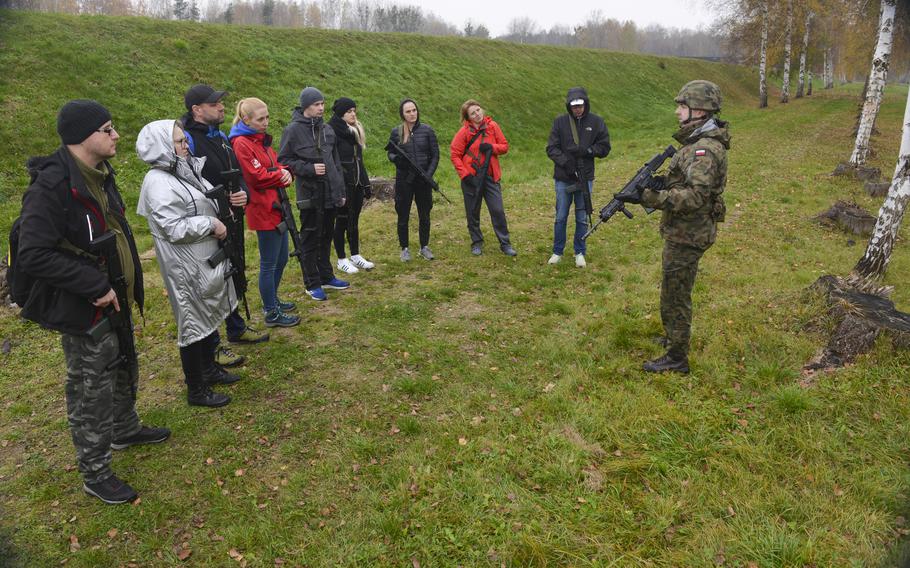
x=474, y=411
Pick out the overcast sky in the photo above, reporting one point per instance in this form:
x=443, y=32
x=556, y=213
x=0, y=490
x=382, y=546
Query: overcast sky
x=496, y=14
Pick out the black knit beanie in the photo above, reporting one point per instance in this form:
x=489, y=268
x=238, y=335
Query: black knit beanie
x=343, y=105
x=79, y=119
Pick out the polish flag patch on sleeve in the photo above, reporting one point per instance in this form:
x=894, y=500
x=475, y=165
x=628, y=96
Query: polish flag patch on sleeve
x=699, y=153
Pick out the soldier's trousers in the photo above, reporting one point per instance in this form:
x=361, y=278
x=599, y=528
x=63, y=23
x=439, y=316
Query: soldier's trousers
x=100, y=402
x=680, y=266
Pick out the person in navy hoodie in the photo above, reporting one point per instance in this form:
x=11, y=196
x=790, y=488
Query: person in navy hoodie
x=264, y=175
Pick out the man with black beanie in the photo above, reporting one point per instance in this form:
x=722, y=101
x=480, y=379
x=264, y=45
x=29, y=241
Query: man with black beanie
x=202, y=121
x=72, y=201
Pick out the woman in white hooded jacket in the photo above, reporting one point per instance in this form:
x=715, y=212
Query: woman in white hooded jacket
x=184, y=224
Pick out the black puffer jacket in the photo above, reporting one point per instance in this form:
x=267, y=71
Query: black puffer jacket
x=306, y=142
x=593, y=141
x=422, y=147
x=58, y=206
x=350, y=154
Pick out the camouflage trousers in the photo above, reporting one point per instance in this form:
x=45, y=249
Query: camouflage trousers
x=100, y=402
x=680, y=266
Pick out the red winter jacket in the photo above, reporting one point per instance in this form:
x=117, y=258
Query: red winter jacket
x=463, y=158
x=262, y=174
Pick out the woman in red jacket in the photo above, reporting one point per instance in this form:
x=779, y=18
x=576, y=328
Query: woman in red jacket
x=263, y=175
x=475, y=152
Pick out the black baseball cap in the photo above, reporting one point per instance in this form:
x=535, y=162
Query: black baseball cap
x=199, y=94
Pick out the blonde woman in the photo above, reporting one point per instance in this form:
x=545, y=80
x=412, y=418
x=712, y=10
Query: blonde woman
x=264, y=175
x=350, y=142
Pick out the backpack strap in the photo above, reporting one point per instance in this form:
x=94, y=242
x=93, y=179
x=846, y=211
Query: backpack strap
x=574, y=129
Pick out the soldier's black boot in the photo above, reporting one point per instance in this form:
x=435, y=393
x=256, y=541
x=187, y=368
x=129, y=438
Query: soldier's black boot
x=203, y=395
x=215, y=374
x=668, y=362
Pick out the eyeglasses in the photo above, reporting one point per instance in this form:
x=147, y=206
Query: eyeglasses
x=107, y=130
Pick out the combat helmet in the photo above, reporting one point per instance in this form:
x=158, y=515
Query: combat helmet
x=700, y=95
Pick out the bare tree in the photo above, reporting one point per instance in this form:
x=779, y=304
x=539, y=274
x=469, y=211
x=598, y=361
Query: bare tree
x=763, y=58
x=521, y=29
x=880, y=63
x=872, y=265
x=785, y=89
x=802, y=56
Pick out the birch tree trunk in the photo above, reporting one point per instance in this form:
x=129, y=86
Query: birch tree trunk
x=802, y=58
x=763, y=61
x=878, y=253
x=880, y=62
x=785, y=89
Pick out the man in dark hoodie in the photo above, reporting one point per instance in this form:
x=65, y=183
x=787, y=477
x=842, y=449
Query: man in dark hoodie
x=202, y=121
x=73, y=200
x=308, y=150
x=690, y=197
x=576, y=138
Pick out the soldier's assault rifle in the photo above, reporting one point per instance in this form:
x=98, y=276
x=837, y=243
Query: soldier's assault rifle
x=105, y=248
x=635, y=186
x=231, y=247
x=391, y=146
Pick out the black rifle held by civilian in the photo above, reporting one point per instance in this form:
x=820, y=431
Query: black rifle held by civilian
x=633, y=188
x=289, y=225
x=229, y=247
x=120, y=322
x=393, y=147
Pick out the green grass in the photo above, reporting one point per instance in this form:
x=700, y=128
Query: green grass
x=477, y=411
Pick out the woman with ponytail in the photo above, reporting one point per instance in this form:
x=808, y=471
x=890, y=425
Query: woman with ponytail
x=350, y=142
x=263, y=176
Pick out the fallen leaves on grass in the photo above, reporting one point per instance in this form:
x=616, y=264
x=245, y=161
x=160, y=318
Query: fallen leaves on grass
x=74, y=543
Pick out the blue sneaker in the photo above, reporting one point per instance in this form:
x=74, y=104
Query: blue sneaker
x=277, y=318
x=317, y=294
x=336, y=284
x=287, y=307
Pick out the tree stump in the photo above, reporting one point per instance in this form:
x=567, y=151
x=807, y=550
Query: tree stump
x=877, y=189
x=4, y=289
x=860, y=318
x=848, y=217
x=383, y=189
x=860, y=173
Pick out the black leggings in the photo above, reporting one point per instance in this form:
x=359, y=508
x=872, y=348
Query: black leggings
x=197, y=357
x=348, y=222
x=405, y=193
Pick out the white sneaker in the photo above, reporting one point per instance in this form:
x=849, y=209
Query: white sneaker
x=346, y=265
x=361, y=262
x=554, y=259
x=580, y=261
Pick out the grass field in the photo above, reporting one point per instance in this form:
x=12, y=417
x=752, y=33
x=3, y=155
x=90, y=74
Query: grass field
x=477, y=411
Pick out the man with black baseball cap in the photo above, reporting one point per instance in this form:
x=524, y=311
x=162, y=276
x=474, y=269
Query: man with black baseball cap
x=71, y=202
x=202, y=121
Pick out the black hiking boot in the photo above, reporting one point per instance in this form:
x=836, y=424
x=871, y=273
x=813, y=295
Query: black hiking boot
x=666, y=363
x=204, y=396
x=146, y=435
x=112, y=491
x=217, y=375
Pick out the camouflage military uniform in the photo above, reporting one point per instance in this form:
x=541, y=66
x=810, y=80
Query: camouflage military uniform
x=692, y=206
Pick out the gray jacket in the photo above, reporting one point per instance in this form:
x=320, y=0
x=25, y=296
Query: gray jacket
x=180, y=219
x=306, y=142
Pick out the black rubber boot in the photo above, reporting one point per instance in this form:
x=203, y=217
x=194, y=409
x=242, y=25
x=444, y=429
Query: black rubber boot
x=667, y=363
x=203, y=395
x=215, y=374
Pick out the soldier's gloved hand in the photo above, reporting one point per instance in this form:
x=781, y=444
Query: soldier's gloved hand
x=627, y=197
x=485, y=147
x=657, y=183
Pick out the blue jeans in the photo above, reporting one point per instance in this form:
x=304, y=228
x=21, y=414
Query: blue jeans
x=563, y=203
x=273, y=256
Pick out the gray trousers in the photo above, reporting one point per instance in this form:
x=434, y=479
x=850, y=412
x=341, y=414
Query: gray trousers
x=100, y=402
x=492, y=194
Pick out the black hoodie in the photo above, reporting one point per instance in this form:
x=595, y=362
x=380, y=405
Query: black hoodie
x=306, y=142
x=593, y=141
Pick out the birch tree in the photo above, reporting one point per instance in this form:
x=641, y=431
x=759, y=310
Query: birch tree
x=880, y=63
x=763, y=62
x=872, y=265
x=785, y=89
x=802, y=56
